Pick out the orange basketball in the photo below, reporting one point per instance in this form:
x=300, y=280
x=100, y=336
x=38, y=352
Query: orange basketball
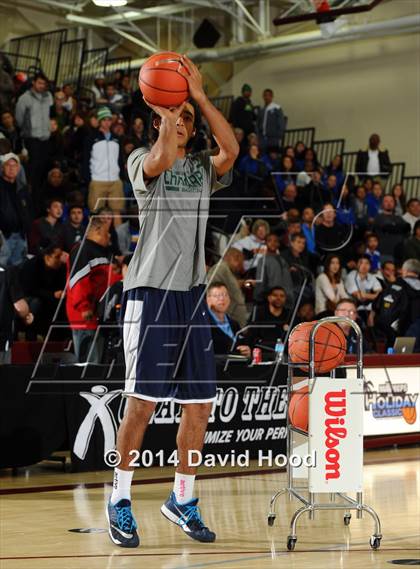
x=409, y=414
x=298, y=409
x=160, y=82
x=330, y=346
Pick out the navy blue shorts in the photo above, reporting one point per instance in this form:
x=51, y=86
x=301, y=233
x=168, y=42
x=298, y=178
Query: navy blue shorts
x=168, y=345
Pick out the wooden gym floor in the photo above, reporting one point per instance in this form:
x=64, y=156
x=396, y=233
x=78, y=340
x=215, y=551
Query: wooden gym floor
x=41, y=505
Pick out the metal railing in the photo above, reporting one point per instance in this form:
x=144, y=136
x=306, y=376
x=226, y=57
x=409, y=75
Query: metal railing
x=349, y=161
x=20, y=62
x=93, y=65
x=327, y=149
x=113, y=64
x=224, y=104
x=44, y=47
x=396, y=176
x=69, y=63
x=411, y=185
x=295, y=135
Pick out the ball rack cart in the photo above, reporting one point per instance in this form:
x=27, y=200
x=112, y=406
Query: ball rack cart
x=349, y=439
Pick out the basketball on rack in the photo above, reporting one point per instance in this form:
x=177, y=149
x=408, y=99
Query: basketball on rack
x=330, y=346
x=160, y=82
x=298, y=409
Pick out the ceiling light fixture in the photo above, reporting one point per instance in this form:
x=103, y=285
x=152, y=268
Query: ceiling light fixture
x=109, y=3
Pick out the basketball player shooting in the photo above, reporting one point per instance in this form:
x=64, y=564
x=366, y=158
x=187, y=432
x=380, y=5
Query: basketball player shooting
x=167, y=338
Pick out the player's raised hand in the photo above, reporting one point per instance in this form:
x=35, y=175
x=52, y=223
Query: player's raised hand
x=171, y=113
x=193, y=76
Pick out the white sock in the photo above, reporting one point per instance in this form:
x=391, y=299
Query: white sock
x=183, y=487
x=121, y=486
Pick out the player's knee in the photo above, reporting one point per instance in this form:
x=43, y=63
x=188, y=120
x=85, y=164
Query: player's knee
x=200, y=412
x=140, y=409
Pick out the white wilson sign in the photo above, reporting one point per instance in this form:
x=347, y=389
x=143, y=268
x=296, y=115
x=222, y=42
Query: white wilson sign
x=336, y=435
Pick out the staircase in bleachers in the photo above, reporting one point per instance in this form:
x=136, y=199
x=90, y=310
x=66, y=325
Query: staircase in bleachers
x=64, y=57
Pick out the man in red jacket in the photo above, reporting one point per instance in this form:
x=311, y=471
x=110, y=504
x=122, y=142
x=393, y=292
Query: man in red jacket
x=90, y=273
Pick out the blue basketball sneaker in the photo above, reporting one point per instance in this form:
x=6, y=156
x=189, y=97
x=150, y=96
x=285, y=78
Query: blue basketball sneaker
x=187, y=517
x=122, y=525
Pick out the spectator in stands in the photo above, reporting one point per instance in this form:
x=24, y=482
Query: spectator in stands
x=300, y=149
x=332, y=188
x=90, y=273
x=118, y=128
x=272, y=270
x=253, y=246
x=360, y=208
x=138, y=134
x=224, y=329
x=271, y=320
x=73, y=229
x=306, y=313
x=330, y=235
x=43, y=278
x=345, y=213
x=12, y=303
x=329, y=287
x=374, y=201
x=271, y=159
x=11, y=131
x=271, y=122
x=311, y=156
x=287, y=175
x=70, y=103
x=347, y=308
x=299, y=262
x=388, y=274
x=33, y=119
x=373, y=161
x=412, y=244
x=391, y=229
x=103, y=167
x=289, y=198
x=412, y=215
x=15, y=209
x=107, y=216
x=56, y=186
x=226, y=272
x=125, y=90
x=251, y=163
x=307, y=229
x=75, y=137
x=400, y=204
x=59, y=112
x=128, y=232
x=372, y=244
x=46, y=230
x=242, y=113
x=313, y=194
x=243, y=146
x=410, y=280
x=363, y=286
x=335, y=168
x=114, y=98
x=56, y=148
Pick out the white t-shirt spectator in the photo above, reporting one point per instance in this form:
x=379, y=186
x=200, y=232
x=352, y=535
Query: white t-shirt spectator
x=324, y=291
x=411, y=219
x=247, y=245
x=369, y=284
x=373, y=167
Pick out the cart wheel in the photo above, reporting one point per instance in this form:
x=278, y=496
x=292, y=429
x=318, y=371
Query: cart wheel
x=347, y=518
x=270, y=519
x=291, y=542
x=375, y=542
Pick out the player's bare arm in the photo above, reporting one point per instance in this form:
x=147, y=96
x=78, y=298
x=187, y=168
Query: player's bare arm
x=164, y=152
x=220, y=128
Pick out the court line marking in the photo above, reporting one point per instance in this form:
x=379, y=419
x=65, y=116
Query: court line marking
x=336, y=547
x=167, y=479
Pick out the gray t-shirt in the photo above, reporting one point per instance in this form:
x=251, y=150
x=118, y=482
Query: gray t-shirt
x=173, y=212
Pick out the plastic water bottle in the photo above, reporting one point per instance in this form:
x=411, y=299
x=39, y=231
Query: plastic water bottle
x=279, y=349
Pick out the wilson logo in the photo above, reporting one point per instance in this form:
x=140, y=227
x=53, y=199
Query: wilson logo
x=335, y=409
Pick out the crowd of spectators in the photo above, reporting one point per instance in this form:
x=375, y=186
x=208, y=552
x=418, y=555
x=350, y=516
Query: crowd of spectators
x=315, y=237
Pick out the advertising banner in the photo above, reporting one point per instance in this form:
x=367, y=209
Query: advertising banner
x=336, y=435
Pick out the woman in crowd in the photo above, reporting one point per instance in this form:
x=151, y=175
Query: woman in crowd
x=399, y=197
x=329, y=286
